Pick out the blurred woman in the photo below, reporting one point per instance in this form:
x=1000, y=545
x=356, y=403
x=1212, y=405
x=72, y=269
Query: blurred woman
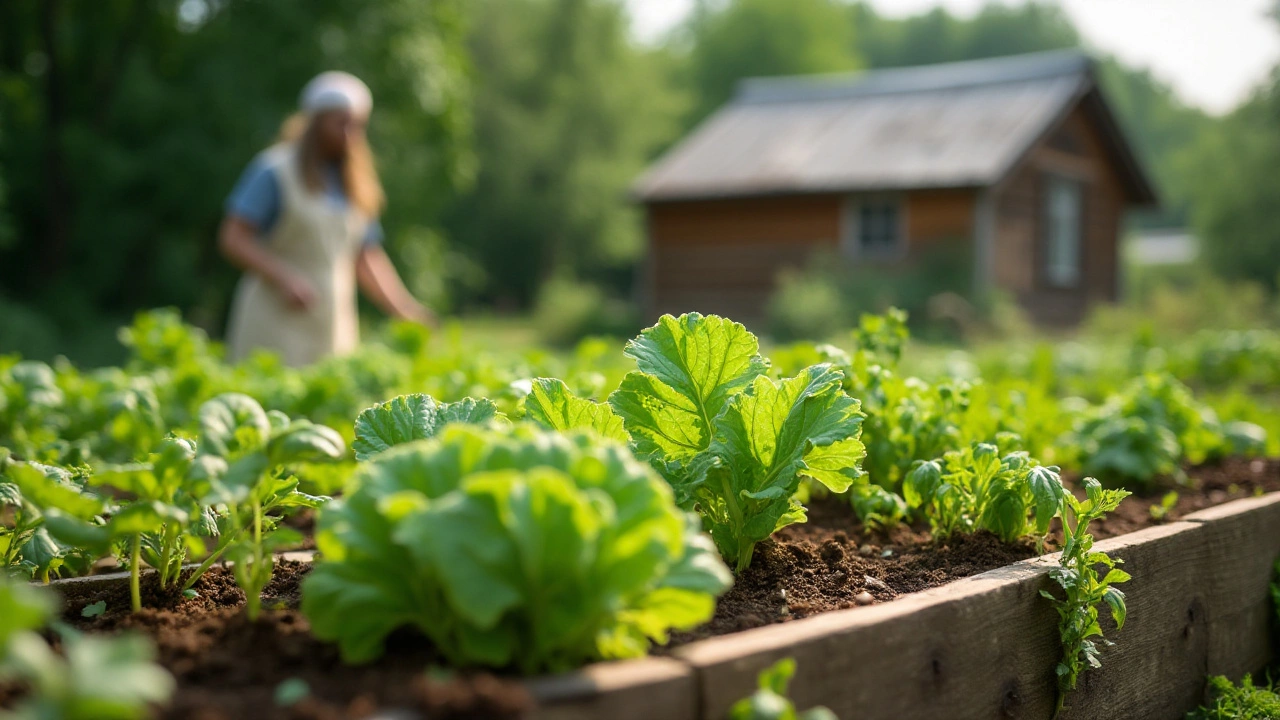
x=302, y=222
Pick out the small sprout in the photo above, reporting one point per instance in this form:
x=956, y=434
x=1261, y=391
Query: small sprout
x=190, y=594
x=1160, y=512
x=94, y=610
x=292, y=691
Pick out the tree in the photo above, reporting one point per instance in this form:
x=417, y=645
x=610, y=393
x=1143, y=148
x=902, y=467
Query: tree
x=749, y=38
x=1237, y=198
x=568, y=110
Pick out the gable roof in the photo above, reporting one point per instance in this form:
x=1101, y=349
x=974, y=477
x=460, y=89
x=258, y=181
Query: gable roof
x=961, y=124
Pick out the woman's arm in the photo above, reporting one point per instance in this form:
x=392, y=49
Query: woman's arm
x=380, y=281
x=238, y=241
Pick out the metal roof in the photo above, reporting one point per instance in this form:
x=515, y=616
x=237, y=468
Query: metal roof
x=951, y=125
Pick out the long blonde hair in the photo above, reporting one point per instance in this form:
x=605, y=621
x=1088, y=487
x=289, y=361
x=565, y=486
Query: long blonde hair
x=359, y=176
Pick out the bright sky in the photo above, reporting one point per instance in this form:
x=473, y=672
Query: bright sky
x=1213, y=52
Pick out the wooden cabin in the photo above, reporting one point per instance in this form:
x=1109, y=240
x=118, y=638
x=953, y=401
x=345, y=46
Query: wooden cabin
x=1016, y=160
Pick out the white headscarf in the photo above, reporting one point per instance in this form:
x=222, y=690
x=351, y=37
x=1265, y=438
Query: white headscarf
x=335, y=90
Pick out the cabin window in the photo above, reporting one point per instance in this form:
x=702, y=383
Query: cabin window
x=873, y=227
x=1062, y=231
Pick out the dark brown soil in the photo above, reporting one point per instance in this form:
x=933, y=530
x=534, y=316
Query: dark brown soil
x=229, y=668
x=1208, y=485
x=829, y=562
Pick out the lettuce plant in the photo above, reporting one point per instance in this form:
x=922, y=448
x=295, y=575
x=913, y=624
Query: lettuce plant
x=509, y=546
x=92, y=678
x=974, y=488
x=733, y=442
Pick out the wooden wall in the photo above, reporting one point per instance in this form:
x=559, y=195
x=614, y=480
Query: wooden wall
x=724, y=256
x=1075, y=150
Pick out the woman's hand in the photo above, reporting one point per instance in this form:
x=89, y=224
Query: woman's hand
x=237, y=238
x=296, y=291
x=380, y=281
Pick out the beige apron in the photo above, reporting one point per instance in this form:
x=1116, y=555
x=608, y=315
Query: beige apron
x=320, y=239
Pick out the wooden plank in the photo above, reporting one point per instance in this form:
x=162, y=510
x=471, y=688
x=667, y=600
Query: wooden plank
x=644, y=689
x=940, y=653
x=1244, y=541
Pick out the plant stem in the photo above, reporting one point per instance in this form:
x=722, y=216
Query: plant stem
x=253, y=595
x=209, y=561
x=135, y=573
x=166, y=558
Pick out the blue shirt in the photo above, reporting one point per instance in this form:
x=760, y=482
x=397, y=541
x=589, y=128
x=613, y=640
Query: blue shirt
x=256, y=198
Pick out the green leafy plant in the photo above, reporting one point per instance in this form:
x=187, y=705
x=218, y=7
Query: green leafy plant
x=510, y=546
x=258, y=447
x=553, y=406
x=770, y=702
x=1083, y=588
x=1243, y=702
x=413, y=417
x=733, y=442
x=29, y=493
x=1159, y=512
x=974, y=488
x=94, y=678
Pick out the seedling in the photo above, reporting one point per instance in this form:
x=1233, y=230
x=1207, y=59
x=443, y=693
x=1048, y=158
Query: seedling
x=1083, y=589
x=1160, y=511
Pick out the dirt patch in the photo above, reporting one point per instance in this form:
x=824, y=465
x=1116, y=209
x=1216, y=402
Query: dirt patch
x=229, y=668
x=833, y=563
x=1207, y=486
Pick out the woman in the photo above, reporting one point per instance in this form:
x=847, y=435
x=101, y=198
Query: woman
x=302, y=223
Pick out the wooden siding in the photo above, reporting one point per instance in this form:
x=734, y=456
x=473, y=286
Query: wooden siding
x=724, y=256
x=1074, y=150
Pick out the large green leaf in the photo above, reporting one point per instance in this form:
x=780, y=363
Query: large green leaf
x=763, y=439
x=413, y=417
x=688, y=368
x=552, y=405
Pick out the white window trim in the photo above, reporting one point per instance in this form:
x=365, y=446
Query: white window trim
x=850, y=227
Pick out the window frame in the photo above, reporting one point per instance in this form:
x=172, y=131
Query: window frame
x=1048, y=269
x=851, y=237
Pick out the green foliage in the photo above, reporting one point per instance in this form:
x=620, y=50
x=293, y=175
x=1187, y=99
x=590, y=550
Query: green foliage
x=413, y=417
x=733, y=442
x=770, y=702
x=1149, y=428
x=974, y=488
x=1083, y=588
x=1160, y=511
x=1244, y=702
x=509, y=546
x=567, y=311
x=753, y=38
x=806, y=307
x=93, y=678
x=551, y=405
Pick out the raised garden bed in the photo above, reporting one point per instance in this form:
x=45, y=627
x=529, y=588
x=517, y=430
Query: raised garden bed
x=978, y=647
